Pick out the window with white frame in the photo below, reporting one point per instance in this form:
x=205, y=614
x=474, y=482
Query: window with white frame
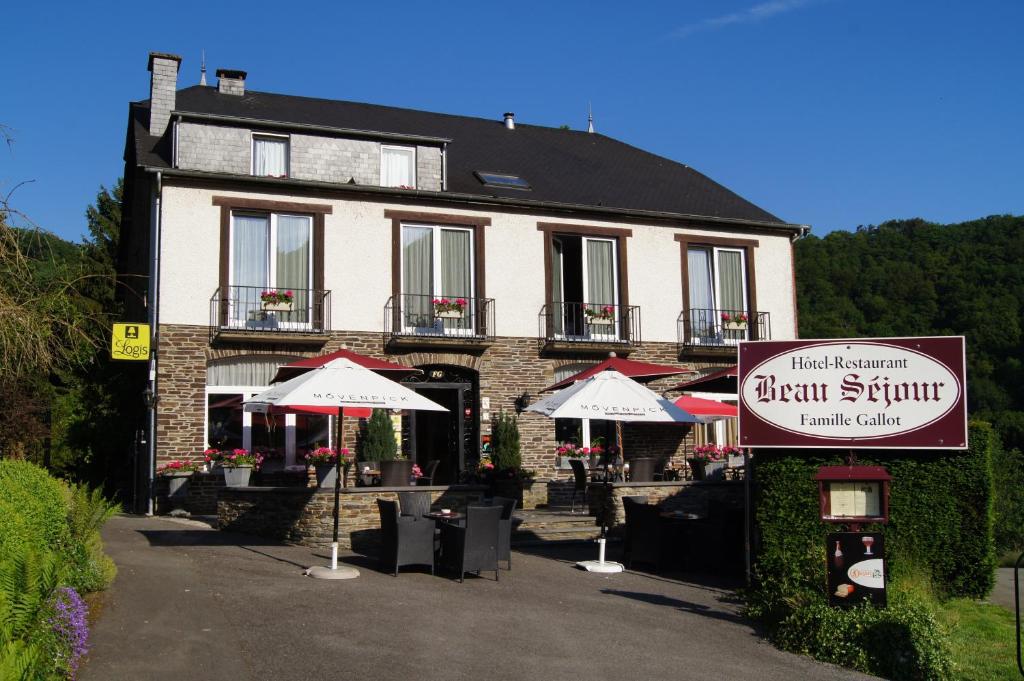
x=437, y=264
x=397, y=166
x=582, y=432
x=717, y=280
x=270, y=155
x=281, y=437
x=270, y=252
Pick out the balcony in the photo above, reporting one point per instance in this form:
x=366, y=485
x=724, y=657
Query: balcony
x=413, y=320
x=582, y=327
x=238, y=313
x=717, y=332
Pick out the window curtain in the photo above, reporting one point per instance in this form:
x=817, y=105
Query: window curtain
x=250, y=242
x=730, y=281
x=269, y=157
x=417, y=275
x=703, y=318
x=245, y=371
x=557, y=296
x=292, y=261
x=396, y=168
x=600, y=275
x=456, y=277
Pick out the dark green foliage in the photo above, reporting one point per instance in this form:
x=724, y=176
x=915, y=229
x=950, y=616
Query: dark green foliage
x=377, y=443
x=505, y=450
x=27, y=580
x=88, y=568
x=38, y=500
x=900, y=642
x=941, y=518
x=1008, y=475
x=916, y=278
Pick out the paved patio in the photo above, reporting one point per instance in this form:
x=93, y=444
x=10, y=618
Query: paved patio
x=193, y=603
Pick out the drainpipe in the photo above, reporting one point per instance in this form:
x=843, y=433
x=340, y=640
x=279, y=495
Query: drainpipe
x=154, y=318
x=444, y=167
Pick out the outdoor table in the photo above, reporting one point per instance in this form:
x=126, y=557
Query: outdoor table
x=437, y=516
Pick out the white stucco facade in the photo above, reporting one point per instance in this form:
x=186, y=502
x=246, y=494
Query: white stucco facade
x=357, y=263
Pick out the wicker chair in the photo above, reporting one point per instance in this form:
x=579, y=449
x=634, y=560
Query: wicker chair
x=579, y=474
x=473, y=548
x=404, y=540
x=414, y=504
x=508, y=507
x=428, y=473
x=644, y=540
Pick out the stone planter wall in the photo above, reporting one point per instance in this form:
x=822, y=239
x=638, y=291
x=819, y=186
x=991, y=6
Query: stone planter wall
x=689, y=496
x=204, y=488
x=305, y=515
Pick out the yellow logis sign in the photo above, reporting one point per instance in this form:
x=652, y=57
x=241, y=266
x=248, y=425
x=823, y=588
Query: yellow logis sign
x=130, y=341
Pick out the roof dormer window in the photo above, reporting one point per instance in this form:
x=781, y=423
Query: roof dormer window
x=398, y=166
x=270, y=155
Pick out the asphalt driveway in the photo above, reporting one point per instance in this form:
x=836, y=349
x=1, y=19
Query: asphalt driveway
x=194, y=603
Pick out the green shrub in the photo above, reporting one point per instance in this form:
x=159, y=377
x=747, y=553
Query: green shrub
x=505, y=449
x=378, y=441
x=1008, y=476
x=38, y=500
x=27, y=644
x=902, y=642
x=88, y=568
x=941, y=517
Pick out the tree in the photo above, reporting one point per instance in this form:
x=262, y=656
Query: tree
x=378, y=442
x=505, y=449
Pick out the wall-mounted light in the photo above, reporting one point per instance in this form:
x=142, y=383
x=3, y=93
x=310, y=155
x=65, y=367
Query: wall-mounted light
x=522, y=402
x=149, y=398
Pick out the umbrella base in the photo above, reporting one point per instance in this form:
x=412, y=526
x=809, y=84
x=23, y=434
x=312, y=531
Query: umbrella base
x=324, y=572
x=599, y=566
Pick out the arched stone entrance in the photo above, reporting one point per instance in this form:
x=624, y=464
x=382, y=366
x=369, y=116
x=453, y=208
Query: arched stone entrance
x=451, y=437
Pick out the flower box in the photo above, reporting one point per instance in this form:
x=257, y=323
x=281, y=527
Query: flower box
x=600, y=321
x=277, y=307
x=735, y=326
x=450, y=314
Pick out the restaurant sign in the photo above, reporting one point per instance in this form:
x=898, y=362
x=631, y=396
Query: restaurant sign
x=865, y=393
x=130, y=342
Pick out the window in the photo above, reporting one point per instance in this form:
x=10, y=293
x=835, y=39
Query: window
x=500, y=180
x=437, y=263
x=270, y=156
x=583, y=432
x=584, y=286
x=717, y=278
x=281, y=437
x=270, y=252
x=398, y=167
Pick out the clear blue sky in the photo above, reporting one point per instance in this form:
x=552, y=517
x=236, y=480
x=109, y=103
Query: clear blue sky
x=832, y=113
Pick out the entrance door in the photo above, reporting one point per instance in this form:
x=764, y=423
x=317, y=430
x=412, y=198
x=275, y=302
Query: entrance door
x=438, y=434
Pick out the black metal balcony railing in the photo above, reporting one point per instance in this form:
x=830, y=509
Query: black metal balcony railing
x=707, y=328
x=586, y=323
x=415, y=316
x=242, y=309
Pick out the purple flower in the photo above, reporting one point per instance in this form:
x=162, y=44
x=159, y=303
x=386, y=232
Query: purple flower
x=70, y=626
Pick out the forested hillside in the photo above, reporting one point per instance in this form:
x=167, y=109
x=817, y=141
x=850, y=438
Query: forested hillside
x=914, y=278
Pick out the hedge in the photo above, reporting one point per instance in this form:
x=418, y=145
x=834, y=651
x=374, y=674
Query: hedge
x=941, y=520
x=28, y=491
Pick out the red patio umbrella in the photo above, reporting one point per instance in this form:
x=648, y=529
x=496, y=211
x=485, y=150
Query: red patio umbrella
x=721, y=381
x=638, y=371
x=293, y=369
x=709, y=408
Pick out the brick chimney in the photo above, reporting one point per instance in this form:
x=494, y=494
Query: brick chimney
x=230, y=82
x=163, y=87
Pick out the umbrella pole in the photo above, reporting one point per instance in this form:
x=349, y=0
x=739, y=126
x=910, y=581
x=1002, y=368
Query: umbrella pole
x=340, y=429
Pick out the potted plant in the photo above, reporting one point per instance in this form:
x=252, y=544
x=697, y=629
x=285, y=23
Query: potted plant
x=212, y=457
x=446, y=308
x=177, y=472
x=706, y=461
x=277, y=301
x=325, y=460
x=734, y=321
x=570, y=450
x=378, y=446
x=238, y=465
x=600, y=316
x=507, y=477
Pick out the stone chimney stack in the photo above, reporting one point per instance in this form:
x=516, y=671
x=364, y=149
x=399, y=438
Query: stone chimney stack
x=230, y=82
x=163, y=88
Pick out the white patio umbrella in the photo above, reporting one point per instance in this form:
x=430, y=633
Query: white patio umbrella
x=339, y=383
x=610, y=396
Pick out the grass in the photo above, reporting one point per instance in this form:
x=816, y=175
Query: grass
x=1009, y=559
x=982, y=639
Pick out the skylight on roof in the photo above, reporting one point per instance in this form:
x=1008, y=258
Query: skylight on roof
x=500, y=180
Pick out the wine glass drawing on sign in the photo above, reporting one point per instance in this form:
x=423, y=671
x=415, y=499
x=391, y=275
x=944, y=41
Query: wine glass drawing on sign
x=868, y=541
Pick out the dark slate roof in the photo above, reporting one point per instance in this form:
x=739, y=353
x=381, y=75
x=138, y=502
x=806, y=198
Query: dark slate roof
x=562, y=166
